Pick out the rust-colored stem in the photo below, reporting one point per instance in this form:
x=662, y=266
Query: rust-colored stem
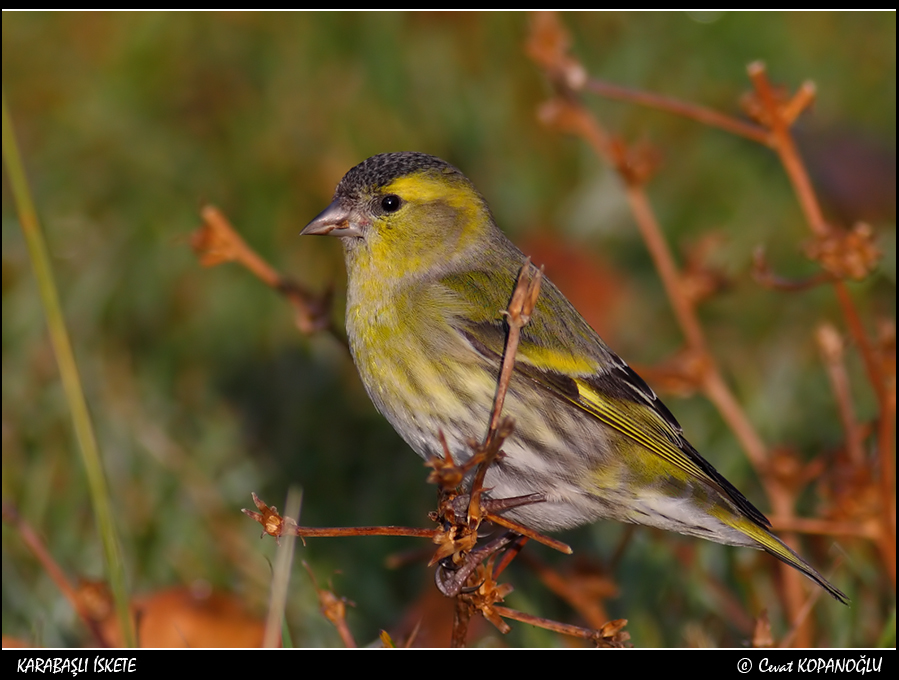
x=216, y=241
x=57, y=575
x=333, y=532
x=695, y=112
x=520, y=308
x=714, y=385
x=779, y=119
x=831, y=345
x=565, y=628
x=786, y=148
x=461, y=617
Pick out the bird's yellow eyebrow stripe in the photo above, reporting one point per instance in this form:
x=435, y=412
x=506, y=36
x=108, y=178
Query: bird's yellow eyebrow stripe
x=424, y=188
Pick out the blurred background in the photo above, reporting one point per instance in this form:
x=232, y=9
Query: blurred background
x=203, y=391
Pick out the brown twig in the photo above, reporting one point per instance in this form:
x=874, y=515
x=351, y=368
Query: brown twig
x=779, y=124
x=548, y=46
x=831, y=345
x=529, y=533
x=764, y=276
x=275, y=525
x=583, y=586
x=461, y=618
x=334, y=609
x=695, y=112
x=805, y=193
x=824, y=527
x=334, y=532
x=799, y=622
x=518, y=314
x=216, y=242
x=610, y=635
x=568, y=113
x=886, y=398
x=54, y=571
x=778, y=118
x=510, y=554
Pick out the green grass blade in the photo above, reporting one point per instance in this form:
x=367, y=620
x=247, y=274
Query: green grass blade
x=68, y=370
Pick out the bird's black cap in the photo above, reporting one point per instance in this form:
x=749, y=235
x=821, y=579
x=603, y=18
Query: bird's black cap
x=380, y=170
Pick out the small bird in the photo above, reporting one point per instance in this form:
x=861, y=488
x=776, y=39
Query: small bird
x=429, y=274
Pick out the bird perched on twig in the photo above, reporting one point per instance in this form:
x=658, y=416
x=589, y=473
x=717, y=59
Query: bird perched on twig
x=428, y=275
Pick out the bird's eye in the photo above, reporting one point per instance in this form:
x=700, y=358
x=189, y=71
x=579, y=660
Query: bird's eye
x=390, y=203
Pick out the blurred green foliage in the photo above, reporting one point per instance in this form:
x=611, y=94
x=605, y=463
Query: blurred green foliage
x=198, y=380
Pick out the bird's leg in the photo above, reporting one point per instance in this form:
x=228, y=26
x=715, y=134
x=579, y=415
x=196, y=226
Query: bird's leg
x=451, y=577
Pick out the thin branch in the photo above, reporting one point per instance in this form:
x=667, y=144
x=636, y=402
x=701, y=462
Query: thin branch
x=885, y=428
x=334, y=609
x=764, y=276
x=584, y=590
x=778, y=118
x=461, y=618
x=610, y=635
x=322, y=532
x=275, y=525
x=549, y=47
x=803, y=614
x=786, y=148
x=57, y=575
x=528, y=533
x=518, y=314
x=831, y=345
x=568, y=113
x=666, y=266
x=510, y=554
x=695, y=112
x=805, y=193
x=216, y=242
x=824, y=527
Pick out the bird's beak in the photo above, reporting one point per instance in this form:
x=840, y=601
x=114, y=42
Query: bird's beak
x=336, y=220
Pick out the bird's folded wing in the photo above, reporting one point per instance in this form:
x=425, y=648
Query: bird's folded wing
x=602, y=385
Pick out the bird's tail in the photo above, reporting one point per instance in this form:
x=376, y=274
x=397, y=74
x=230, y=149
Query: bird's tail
x=773, y=545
